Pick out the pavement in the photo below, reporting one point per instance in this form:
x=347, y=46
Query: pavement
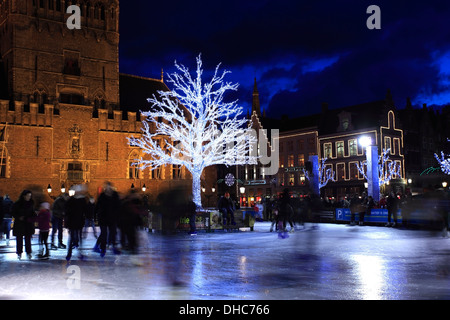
x=316, y=262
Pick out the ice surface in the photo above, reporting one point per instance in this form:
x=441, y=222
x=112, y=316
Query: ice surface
x=331, y=261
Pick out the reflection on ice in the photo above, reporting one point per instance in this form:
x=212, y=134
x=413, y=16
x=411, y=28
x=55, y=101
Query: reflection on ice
x=370, y=273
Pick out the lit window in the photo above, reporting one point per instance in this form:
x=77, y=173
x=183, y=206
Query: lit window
x=340, y=149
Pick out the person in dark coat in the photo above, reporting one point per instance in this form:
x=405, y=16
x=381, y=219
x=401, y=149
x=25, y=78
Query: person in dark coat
x=90, y=218
x=24, y=218
x=392, y=204
x=76, y=208
x=107, y=210
x=226, y=207
x=131, y=219
x=58, y=212
x=191, y=209
x=7, y=217
x=286, y=211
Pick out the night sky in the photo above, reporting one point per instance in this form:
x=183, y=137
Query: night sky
x=302, y=53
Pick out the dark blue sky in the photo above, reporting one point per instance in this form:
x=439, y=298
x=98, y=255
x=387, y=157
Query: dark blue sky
x=302, y=53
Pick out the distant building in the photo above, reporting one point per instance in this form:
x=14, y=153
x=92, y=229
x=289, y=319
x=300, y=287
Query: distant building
x=339, y=134
x=426, y=132
x=333, y=134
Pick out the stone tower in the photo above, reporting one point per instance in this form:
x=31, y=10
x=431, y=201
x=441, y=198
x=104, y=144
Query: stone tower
x=46, y=63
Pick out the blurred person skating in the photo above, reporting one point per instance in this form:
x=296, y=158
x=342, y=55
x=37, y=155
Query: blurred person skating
x=131, y=220
x=286, y=210
x=392, y=204
x=107, y=210
x=43, y=220
x=58, y=212
x=90, y=218
x=355, y=207
x=7, y=217
x=24, y=218
x=76, y=207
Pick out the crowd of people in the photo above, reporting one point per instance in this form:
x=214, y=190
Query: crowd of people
x=119, y=218
x=75, y=213
x=291, y=210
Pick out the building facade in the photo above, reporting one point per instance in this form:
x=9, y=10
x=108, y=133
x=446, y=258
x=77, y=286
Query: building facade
x=295, y=148
x=65, y=110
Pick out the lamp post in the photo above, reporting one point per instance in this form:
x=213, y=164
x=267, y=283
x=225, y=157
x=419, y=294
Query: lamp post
x=314, y=159
x=444, y=184
x=242, y=190
x=373, y=179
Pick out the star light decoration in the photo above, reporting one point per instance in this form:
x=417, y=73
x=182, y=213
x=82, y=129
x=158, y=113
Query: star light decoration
x=229, y=179
x=198, y=129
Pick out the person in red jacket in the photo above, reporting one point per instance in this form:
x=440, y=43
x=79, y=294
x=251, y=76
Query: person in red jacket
x=43, y=220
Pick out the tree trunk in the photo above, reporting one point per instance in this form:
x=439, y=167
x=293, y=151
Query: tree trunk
x=196, y=188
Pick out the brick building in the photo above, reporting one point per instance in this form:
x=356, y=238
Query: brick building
x=65, y=110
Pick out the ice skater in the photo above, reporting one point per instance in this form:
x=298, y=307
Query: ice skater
x=24, y=218
x=75, y=210
x=43, y=220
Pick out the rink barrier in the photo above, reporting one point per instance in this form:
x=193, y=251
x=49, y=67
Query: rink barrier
x=209, y=220
x=417, y=217
x=375, y=216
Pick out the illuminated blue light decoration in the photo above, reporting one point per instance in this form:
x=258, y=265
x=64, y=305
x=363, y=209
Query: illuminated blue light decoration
x=197, y=129
x=320, y=175
x=387, y=170
x=444, y=161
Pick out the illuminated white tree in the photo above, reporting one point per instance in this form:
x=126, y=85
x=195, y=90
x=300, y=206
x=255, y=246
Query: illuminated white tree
x=387, y=170
x=444, y=161
x=192, y=126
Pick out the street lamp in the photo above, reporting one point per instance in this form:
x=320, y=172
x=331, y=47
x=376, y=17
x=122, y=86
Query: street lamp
x=242, y=190
x=444, y=184
x=365, y=141
x=63, y=188
x=373, y=180
x=144, y=188
x=49, y=188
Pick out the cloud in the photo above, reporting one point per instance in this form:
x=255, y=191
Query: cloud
x=301, y=52
x=436, y=92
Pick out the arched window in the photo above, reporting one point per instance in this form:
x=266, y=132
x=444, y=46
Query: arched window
x=134, y=172
x=97, y=11
x=102, y=12
x=88, y=10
